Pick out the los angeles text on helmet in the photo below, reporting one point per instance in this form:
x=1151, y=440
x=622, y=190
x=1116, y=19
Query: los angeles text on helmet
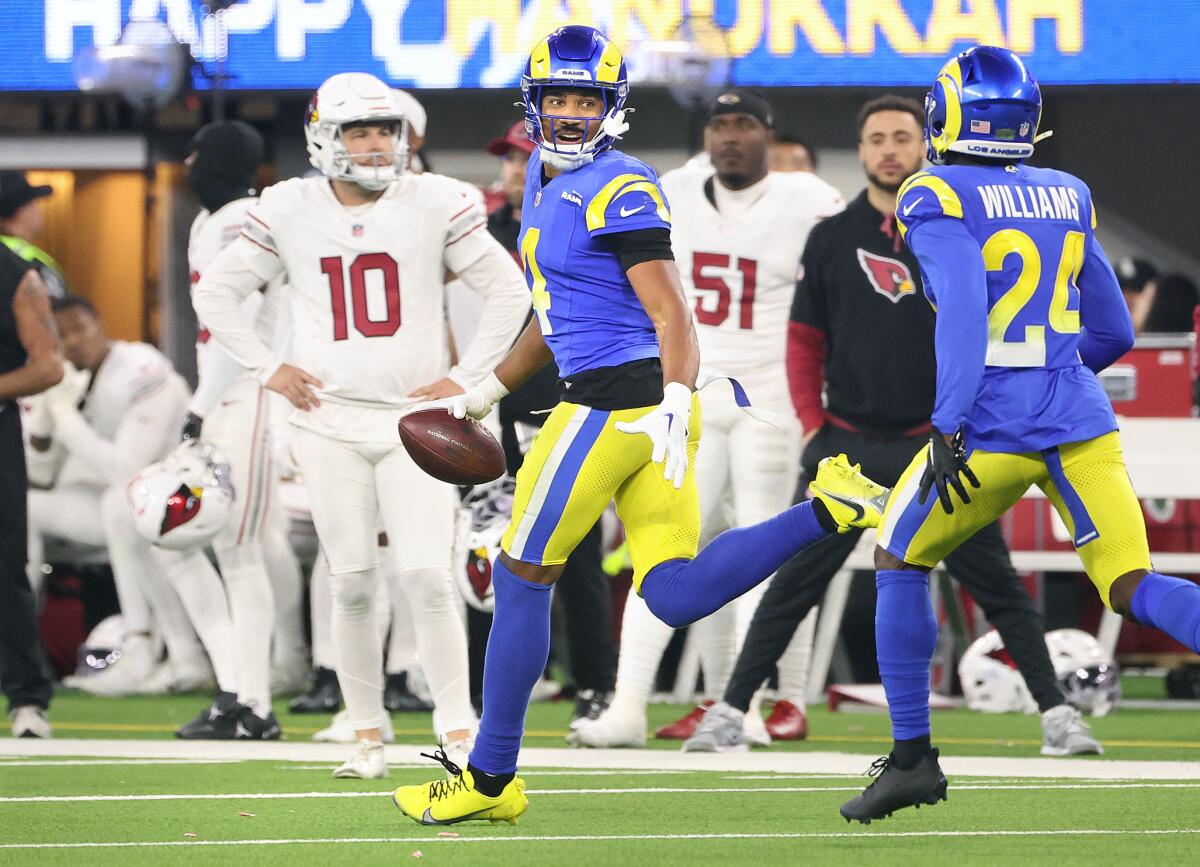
x=909, y=27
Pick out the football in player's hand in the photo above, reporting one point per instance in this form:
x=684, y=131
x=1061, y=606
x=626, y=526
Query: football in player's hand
x=458, y=451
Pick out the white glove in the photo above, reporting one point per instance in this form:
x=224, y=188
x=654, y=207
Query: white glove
x=64, y=397
x=477, y=402
x=38, y=421
x=667, y=427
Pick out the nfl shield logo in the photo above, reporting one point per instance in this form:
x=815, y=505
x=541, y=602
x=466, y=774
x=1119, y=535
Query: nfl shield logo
x=537, y=199
x=356, y=230
x=1024, y=131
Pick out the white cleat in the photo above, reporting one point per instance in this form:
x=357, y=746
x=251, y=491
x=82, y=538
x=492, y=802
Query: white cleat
x=613, y=728
x=754, y=729
x=1064, y=733
x=721, y=731
x=367, y=763
x=30, y=721
x=126, y=676
x=340, y=731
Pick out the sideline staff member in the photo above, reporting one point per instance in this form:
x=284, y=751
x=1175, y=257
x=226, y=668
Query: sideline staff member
x=29, y=363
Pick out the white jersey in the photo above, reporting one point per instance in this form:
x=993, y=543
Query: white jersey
x=129, y=418
x=740, y=274
x=357, y=277
x=216, y=369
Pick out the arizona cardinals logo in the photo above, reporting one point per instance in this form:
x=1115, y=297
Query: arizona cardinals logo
x=479, y=571
x=890, y=277
x=182, y=506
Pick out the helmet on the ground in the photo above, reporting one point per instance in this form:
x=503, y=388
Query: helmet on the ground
x=352, y=98
x=184, y=500
x=984, y=103
x=990, y=680
x=102, y=647
x=482, y=518
x=1086, y=673
x=575, y=58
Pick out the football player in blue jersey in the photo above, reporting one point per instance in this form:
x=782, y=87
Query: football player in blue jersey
x=596, y=247
x=1028, y=311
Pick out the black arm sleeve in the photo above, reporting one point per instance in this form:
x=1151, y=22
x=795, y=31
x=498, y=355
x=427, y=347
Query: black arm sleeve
x=640, y=245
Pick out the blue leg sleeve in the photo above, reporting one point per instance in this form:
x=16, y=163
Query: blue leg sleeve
x=680, y=592
x=905, y=635
x=517, y=650
x=1170, y=604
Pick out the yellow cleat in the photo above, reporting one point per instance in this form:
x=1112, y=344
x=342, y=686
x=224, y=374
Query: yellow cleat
x=853, y=500
x=447, y=801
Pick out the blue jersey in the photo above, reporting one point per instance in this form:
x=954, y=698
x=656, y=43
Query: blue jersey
x=1028, y=308
x=589, y=314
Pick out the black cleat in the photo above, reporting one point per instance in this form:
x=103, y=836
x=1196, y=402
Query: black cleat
x=324, y=696
x=895, y=789
x=398, y=698
x=251, y=727
x=589, y=704
x=218, y=722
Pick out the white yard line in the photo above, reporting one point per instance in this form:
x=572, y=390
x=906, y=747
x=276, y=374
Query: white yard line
x=66, y=763
x=768, y=761
x=623, y=790
x=586, y=838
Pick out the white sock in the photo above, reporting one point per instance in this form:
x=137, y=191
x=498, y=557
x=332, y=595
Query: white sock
x=402, y=640
x=252, y=612
x=441, y=641
x=357, y=650
x=320, y=601
x=644, y=638
x=203, y=596
x=283, y=570
x=794, y=664
x=718, y=649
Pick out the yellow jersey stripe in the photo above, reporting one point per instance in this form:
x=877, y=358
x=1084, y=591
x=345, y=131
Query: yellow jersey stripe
x=617, y=187
x=947, y=198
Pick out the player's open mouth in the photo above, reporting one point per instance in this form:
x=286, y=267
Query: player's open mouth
x=570, y=136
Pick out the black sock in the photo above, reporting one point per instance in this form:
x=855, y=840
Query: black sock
x=906, y=755
x=491, y=784
x=821, y=513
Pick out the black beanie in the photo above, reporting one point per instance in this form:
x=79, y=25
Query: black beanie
x=228, y=154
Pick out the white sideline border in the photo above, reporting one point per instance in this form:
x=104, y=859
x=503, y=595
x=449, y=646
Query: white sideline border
x=585, y=838
x=768, y=761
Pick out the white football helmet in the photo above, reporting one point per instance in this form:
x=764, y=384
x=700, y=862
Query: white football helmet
x=481, y=522
x=351, y=97
x=183, y=501
x=1087, y=675
x=990, y=680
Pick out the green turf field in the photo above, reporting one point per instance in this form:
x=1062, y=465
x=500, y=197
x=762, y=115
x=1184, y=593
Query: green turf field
x=184, y=809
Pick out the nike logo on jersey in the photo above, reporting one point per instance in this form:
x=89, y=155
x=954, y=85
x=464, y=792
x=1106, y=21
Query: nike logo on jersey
x=908, y=210
x=626, y=213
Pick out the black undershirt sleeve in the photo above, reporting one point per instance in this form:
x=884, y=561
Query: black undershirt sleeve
x=640, y=245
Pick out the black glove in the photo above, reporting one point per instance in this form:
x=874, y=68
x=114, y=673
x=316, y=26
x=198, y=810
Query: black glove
x=945, y=464
x=191, y=427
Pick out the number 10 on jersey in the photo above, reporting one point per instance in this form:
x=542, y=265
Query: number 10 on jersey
x=334, y=270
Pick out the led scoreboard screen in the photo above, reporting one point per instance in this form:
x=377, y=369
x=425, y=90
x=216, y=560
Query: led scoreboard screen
x=295, y=44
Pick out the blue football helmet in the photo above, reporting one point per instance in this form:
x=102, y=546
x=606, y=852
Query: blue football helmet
x=984, y=103
x=578, y=58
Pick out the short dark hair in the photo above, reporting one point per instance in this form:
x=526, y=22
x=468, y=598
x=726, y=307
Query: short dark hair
x=890, y=102
x=790, y=138
x=70, y=302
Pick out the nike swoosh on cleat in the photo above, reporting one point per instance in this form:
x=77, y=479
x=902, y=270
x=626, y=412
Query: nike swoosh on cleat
x=428, y=819
x=625, y=213
x=859, y=512
x=908, y=210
